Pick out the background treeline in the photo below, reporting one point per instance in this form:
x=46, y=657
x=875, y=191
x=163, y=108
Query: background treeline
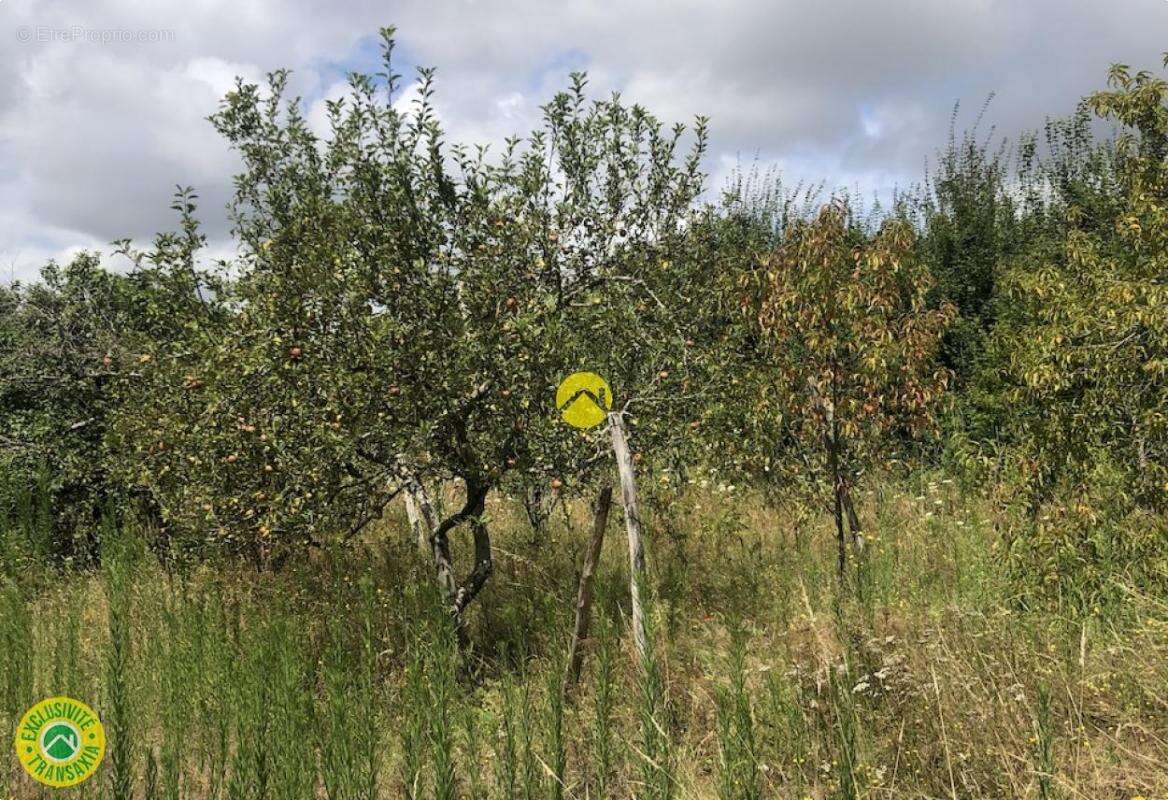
x=401, y=309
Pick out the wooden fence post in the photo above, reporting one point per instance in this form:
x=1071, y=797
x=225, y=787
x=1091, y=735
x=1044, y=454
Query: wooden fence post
x=624, y=465
x=587, y=578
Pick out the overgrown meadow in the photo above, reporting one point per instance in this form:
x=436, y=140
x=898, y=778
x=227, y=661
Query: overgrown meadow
x=877, y=499
x=337, y=678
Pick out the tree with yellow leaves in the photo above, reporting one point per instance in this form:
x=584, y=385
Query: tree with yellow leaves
x=850, y=369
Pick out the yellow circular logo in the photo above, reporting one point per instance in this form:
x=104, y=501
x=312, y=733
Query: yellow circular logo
x=584, y=399
x=60, y=742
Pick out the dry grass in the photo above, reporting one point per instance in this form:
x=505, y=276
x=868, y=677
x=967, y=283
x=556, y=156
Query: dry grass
x=923, y=680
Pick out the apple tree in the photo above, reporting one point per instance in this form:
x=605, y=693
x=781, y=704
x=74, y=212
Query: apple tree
x=401, y=310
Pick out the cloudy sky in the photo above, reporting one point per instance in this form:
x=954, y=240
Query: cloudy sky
x=95, y=133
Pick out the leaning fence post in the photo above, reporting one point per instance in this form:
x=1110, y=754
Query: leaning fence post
x=628, y=482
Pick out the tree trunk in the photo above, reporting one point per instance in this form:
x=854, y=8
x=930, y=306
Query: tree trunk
x=840, y=537
x=537, y=512
x=484, y=566
x=587, y=578
x=423, y=517
x=624, y=465
x=831, y=442
x=443, y=566
x=853, y=520
x=837, y=490
x=419, y=534
x=457, y=596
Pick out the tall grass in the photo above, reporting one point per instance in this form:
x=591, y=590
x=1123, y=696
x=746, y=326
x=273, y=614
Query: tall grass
x=738, y=773
x=601, y=740
x=654, y=747
x=339, y=677
x=555, y=750
x=413, y=724
x=118, y=714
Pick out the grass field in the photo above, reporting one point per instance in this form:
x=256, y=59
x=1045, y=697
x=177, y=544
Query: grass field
x=335, y=677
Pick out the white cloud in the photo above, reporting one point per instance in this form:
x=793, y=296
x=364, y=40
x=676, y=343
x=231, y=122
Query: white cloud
x=93, y=136
x=317, y=115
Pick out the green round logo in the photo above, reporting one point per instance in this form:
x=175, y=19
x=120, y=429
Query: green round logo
x=60, y=742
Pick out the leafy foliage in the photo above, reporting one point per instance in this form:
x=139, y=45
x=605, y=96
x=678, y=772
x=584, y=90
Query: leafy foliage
x=970, y=225
x=400, y=310
x=63, y=344
x=852, y=344
x=403, y=309
x=1084, y=352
